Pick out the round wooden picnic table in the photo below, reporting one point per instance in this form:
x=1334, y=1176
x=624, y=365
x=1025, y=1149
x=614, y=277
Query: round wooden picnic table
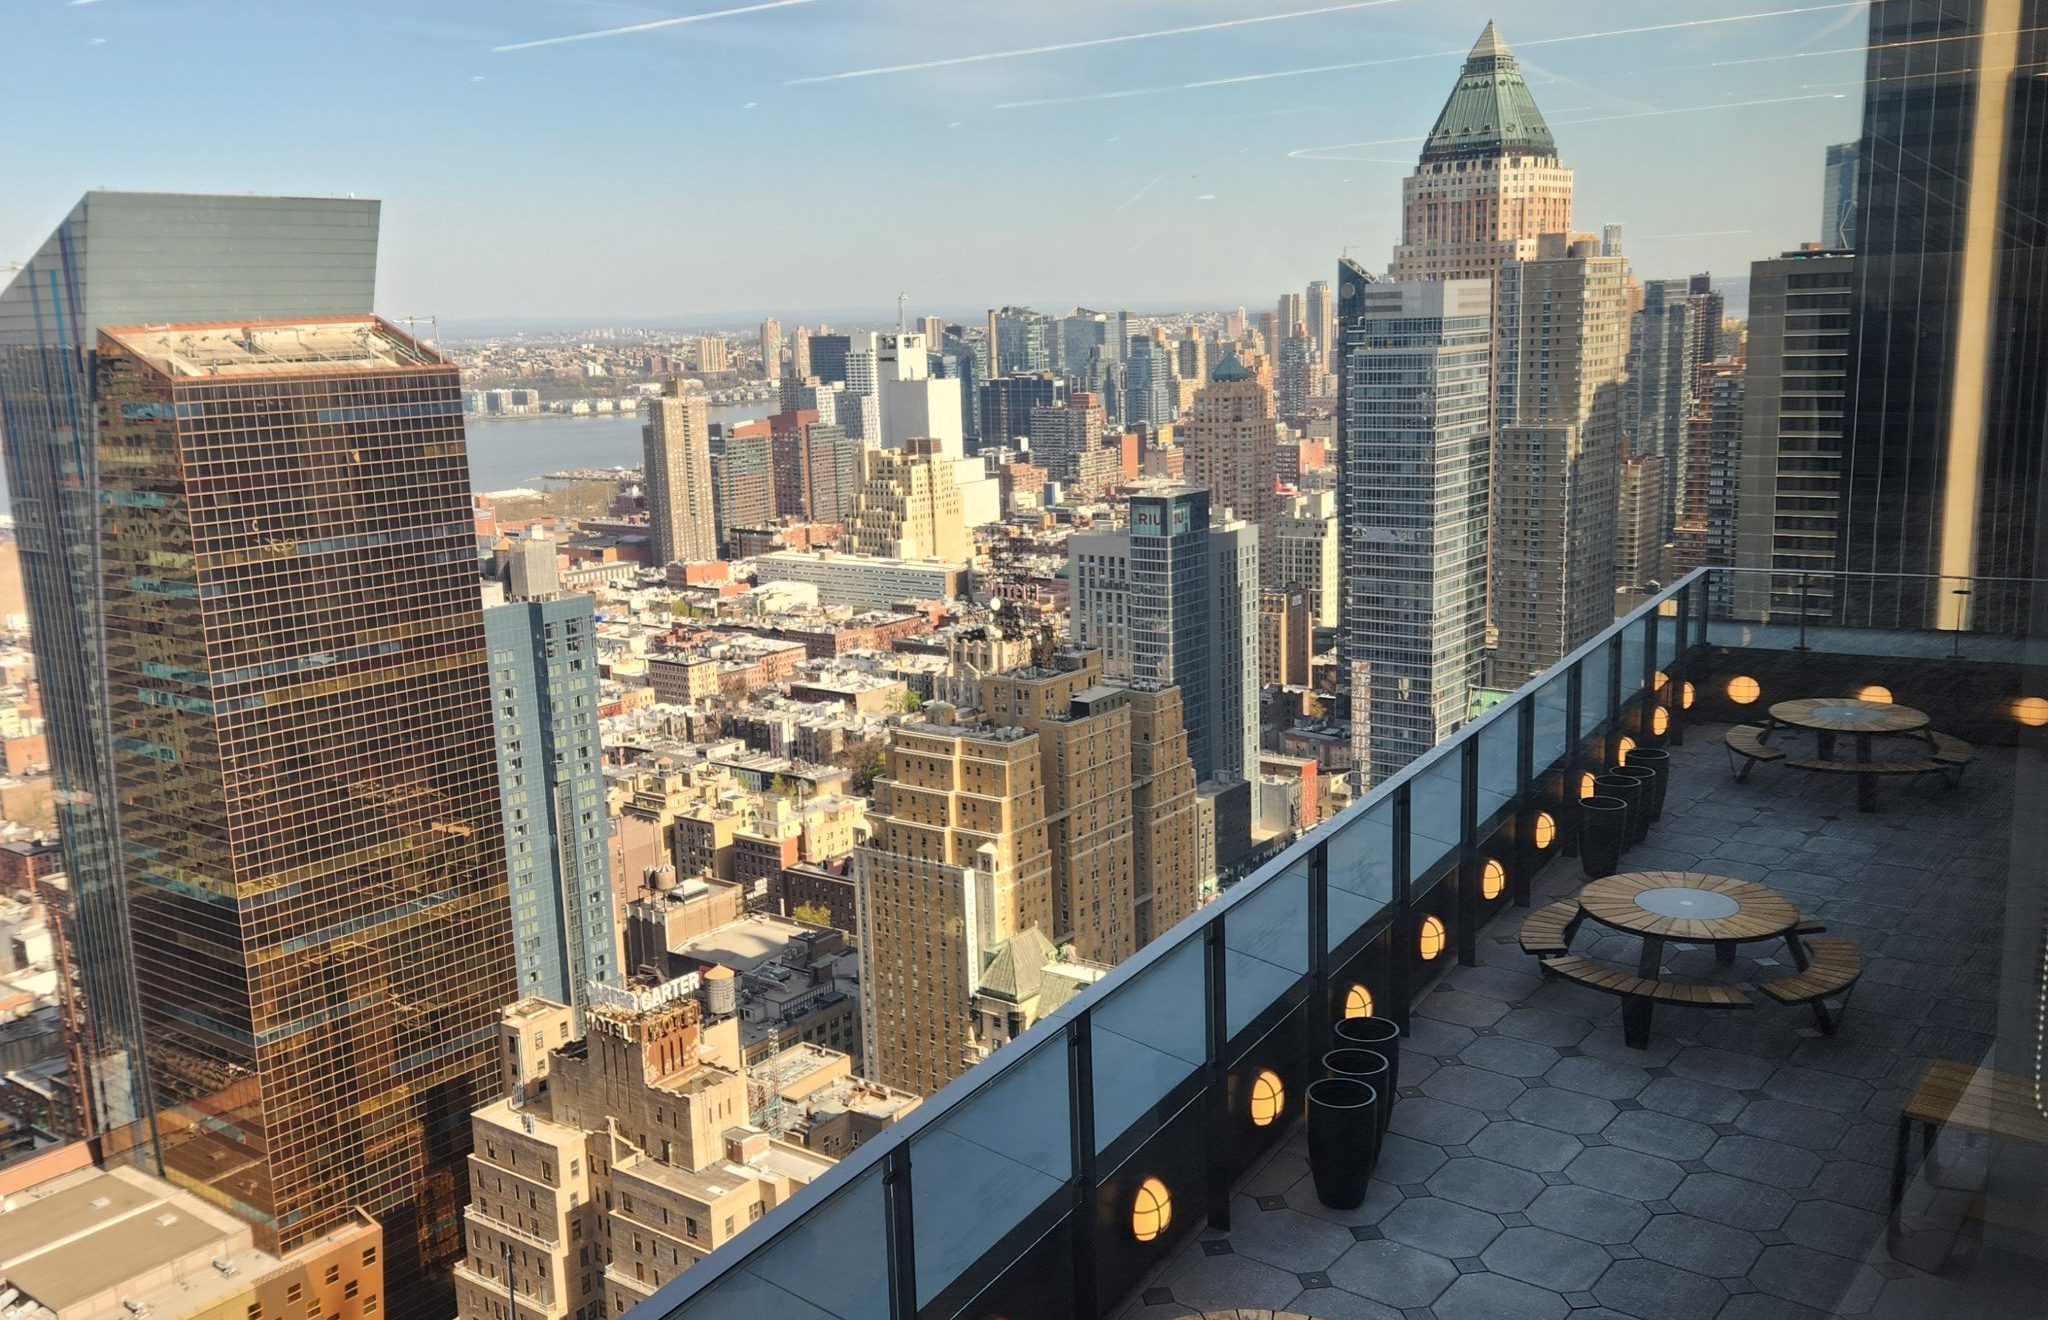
x=1862, y=720
x=1691, y=908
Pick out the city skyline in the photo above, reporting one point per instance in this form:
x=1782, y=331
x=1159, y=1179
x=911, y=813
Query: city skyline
x=1204, y=115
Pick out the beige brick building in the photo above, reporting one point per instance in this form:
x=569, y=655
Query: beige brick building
x=908, y=506
x=1232, y=440
x=957, y=864
x=1084, y=742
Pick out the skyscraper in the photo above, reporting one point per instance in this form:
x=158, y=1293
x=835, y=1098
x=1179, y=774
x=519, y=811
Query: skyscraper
x=1663, y=361
x=1414, y=516
x=1639, y=553
x=743, y=480
x=1557, y=451
x=1148, y=384
x=1321, y=312
x=913, y=401
x=771, y=348
x=956, y=866
x=307, y=772
x=1007, y=403
x=1173, y=599
x=676, y=463
x=544, y=664
x=1309, y=552
x=127, y=258
x=1233, y=441
x=1838, y=197
x=1489, y=182
x=1062, y=436
x=1022, y=340
x=1789, y=496
x=800, y=353
x=1943, y=466
x=1295, y=377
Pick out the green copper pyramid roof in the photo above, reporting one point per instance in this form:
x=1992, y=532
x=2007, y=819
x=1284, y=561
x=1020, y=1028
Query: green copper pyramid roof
x=1491, y=112
x=1230, y=369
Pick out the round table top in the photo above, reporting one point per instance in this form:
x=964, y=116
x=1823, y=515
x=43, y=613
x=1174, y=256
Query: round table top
x=1687, y=906
x=1849, y=715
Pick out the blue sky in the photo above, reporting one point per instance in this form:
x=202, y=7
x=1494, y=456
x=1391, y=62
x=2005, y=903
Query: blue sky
x=719, y=166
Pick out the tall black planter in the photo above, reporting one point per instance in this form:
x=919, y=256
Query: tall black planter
x=1375, y=1070
x=1343, y=1140
x=1603, y=833
x=1381, y=1035
x=1639, y=820
x=1654, y=758
x=1631, y=792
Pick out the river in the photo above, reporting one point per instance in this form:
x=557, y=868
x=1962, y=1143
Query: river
x=506, y=452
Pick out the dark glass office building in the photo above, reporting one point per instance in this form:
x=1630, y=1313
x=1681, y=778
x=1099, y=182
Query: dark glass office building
x=126, y=258
x=1942, y=467
x=305, y=772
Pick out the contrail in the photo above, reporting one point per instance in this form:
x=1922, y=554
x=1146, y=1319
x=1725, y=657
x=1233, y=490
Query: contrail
x=1128, y=201
x=1313, y=153
x=657, y=24
x=985, y=56
x=1525, y=45
x=1089, y=96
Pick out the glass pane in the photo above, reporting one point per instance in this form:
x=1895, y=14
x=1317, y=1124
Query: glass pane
x=1497, y=753
x=990, y=1163
x=1667, y=641
x=1361, y=871
x=743, y=1296
x=1433, y=811
x=1634, y=642
x=1149, y=1034
x=837, y=1260
x=1265, y=941
x=1552, y=708
x=1593, y=703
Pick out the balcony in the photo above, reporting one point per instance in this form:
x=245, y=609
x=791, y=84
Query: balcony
x=1740, y=1166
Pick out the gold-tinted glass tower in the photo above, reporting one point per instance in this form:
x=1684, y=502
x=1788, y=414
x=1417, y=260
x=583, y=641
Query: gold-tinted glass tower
x=306, y=773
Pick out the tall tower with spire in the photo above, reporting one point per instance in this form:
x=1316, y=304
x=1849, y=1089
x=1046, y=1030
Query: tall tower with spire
x=1489, y=181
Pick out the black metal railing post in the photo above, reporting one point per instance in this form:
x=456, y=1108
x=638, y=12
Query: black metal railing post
x=1611, y=727
x=1525, y=809
x=1679, y=669
x=1574, y=758
x=1400, y=946
x=899, y=1233
x=1318, y=1021
x=1468, y=853
x=1652, y=695
x=1216, y=1098
x=1081, y=1129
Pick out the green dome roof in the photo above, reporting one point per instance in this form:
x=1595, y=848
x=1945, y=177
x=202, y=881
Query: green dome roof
x=1491, y=112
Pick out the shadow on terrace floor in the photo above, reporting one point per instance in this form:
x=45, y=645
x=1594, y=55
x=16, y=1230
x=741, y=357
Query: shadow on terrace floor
x=1737, y=1169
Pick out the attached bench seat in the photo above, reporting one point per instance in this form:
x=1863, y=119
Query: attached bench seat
x=1549, y=930
x=1639, y=993
x=1747, y=741
x=1951, y=751
x=1834, y=968
x=1825, y=767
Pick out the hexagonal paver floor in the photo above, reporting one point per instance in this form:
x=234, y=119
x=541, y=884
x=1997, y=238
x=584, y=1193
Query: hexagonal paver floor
x=1736, y=1170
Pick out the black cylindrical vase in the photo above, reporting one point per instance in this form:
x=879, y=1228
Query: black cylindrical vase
x=1375, y=1070
x=1343, y=1139
x=1603, y=833
x=1630, y=790
x=1381, y=1035
x=1654, y=758
x=1639, y=820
